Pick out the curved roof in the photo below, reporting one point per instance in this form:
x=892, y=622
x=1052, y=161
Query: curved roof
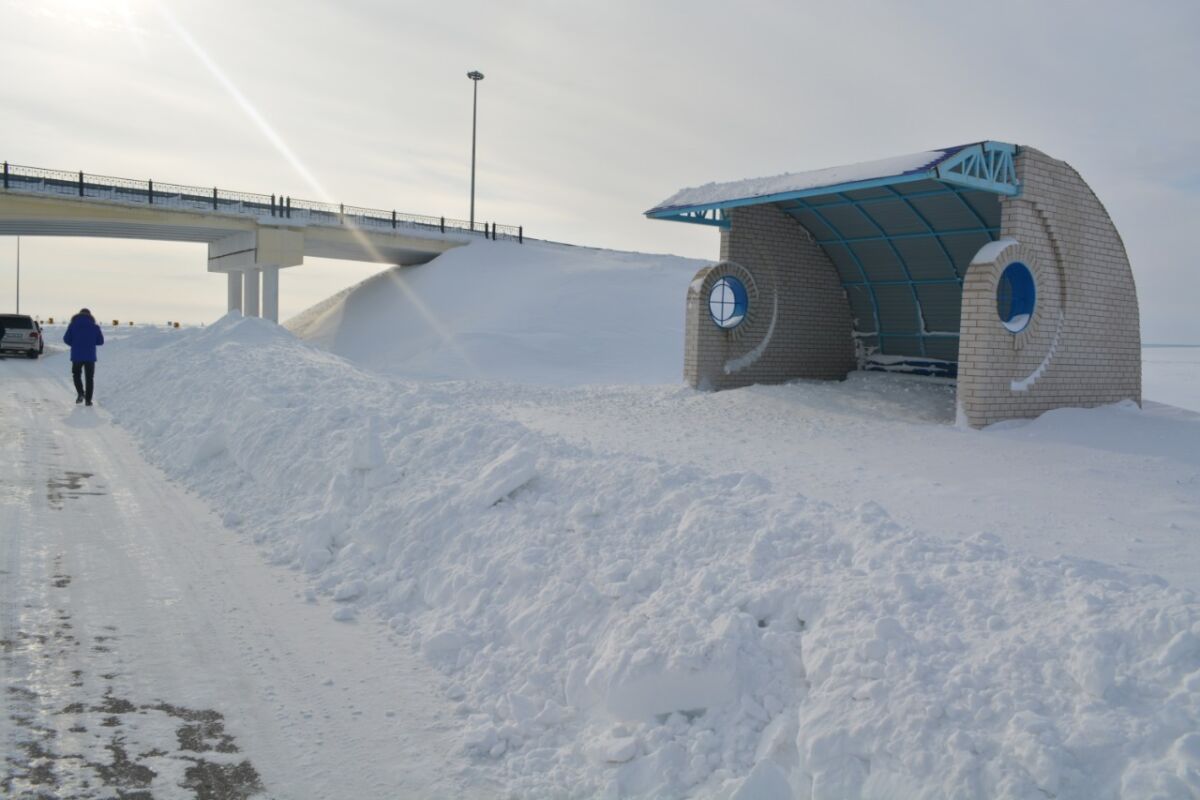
x=983, y=165
x=900, y=231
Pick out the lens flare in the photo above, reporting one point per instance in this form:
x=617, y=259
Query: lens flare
x=306, y=175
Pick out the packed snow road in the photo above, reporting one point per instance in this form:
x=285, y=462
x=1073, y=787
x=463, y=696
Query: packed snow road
x=146, y=652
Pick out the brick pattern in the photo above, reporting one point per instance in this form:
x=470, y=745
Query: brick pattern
x=798, y=324
x=1083, y=345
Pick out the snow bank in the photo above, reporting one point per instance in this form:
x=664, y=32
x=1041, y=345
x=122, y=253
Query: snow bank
x=531, y=313
x=1172, y=375
x=615, y=626
x=1169, y=433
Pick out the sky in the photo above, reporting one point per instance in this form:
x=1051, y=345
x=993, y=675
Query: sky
x=589, y=114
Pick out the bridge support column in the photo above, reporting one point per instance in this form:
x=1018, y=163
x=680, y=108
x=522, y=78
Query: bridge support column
x=270, y=293
x=250, y=298
x=234, y=291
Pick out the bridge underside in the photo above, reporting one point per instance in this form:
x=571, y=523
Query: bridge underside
x=250, y=250
x=99, y=229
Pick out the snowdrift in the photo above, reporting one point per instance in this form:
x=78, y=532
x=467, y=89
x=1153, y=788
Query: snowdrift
x=610, y=625
x=533, y=313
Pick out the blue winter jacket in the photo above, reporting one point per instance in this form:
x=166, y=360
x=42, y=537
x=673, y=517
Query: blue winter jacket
x=83, y=334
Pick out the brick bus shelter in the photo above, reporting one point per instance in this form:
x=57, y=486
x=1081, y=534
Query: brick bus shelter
x=990, y=263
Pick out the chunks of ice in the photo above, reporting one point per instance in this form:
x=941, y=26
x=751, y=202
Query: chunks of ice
x=1182, y=651
x=875, y=649
x=1093, y=670
x=890, y=628
x=368, y=451
x=350, y=590
x=499, y=479
x=208, y=446
x=617, y=749
x=765, y=782
x=635, y=694
x=316, y=560
x=443, y=646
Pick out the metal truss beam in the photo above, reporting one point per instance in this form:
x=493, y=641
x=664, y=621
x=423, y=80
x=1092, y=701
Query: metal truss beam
x=716, y=217
x=987, y=166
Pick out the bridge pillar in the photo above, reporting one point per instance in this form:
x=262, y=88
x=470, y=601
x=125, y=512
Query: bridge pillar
x=251, y=256
x=270, y=293
x=250, y=298
x=234, y=291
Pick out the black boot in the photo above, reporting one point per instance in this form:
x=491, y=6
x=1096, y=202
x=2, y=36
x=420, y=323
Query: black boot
x=78, y=399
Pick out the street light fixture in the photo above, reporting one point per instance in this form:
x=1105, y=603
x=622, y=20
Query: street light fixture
x=476, y=76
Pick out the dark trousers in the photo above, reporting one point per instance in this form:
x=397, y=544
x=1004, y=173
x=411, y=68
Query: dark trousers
x=88, y=368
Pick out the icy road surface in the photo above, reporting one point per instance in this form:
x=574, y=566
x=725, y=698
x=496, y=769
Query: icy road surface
x=143, y=649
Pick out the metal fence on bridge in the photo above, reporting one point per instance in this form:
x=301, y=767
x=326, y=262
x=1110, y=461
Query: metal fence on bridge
x=35, y=180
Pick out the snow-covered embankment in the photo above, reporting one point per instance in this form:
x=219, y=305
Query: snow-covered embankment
x=536, y=313
x=622, y=624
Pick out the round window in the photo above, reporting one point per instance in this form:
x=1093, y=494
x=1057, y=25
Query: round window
x=727, y=302
x=1016, y=295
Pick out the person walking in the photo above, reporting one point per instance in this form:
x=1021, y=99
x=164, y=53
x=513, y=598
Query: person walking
x=84, y=335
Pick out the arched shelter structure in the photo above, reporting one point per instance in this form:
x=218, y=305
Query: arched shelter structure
x=988, y=262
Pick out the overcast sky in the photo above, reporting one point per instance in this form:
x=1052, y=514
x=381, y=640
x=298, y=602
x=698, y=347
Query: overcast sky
x=588, y=115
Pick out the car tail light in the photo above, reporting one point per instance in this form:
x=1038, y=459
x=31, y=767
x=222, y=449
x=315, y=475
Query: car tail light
x=33, y=334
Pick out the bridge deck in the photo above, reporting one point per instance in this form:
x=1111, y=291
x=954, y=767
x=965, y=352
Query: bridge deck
x=262, y=208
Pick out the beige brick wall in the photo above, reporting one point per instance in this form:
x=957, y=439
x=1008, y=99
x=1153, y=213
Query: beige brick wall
x=1083, y=345
x=798, y=323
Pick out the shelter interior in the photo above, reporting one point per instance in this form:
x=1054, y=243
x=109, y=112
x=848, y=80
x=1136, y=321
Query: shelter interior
x=901, y=244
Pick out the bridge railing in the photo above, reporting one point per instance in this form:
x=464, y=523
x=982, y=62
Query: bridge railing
x=37, y=180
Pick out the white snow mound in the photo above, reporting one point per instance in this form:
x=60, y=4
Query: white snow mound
x=529, y=313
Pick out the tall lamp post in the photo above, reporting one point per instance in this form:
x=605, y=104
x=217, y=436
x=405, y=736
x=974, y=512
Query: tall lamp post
x=18, y=274
x=476, y=76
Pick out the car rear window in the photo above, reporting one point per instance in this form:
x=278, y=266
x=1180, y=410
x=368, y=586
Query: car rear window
x=11, y=322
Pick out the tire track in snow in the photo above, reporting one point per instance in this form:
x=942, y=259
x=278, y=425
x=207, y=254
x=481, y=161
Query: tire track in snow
x=180, y=637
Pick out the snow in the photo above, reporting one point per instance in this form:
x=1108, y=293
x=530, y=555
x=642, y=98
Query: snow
x=991, y=250
x=1017, y=322
x=885, y=360
x=127, y=610
x=532, y=313
x=816, y=590
x=1171, y=374
x=711, y=193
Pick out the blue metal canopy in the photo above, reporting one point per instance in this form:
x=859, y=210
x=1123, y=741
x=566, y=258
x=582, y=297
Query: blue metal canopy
x=901, y=233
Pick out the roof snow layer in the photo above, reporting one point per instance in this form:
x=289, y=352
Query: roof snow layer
x=765, y=190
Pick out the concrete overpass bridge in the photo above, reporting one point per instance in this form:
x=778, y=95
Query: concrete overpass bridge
x=250, y=237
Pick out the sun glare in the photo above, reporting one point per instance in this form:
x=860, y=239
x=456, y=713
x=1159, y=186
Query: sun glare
x=91, y=19
x=105, y=15
x=243, y=102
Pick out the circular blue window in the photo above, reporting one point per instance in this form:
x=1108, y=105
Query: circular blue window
x=1016, y=295
x=727, y=302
